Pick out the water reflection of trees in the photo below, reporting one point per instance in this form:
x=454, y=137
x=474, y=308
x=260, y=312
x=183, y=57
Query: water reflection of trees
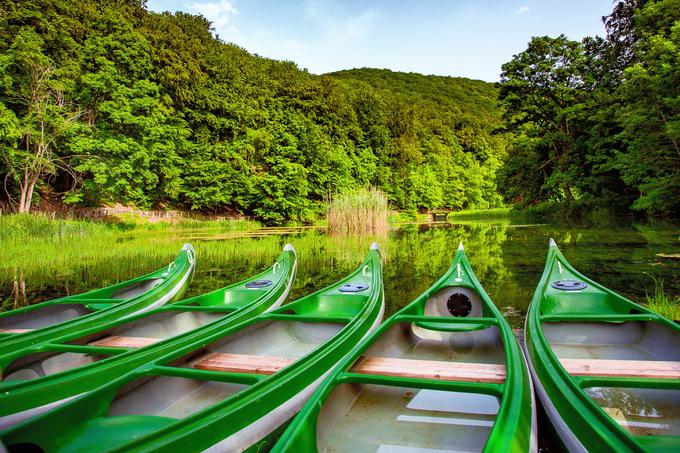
x=508, y=260
x=417, y=258
x=628, y=406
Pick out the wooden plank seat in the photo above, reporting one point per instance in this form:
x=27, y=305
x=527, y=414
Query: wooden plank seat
x=622, y=368
x=241, y=363
x=15, y=330
x=125, y=342
x=432, y=369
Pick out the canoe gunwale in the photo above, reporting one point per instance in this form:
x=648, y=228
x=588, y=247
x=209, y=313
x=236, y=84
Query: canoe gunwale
x=270, y=422
x=578, y=416
x=207, y=424
x=303, y=428
x=175, y=280
x=213, y=416
x=59, y=384
x=88, y=297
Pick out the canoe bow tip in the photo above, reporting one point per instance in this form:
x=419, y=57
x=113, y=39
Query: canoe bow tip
x=552, y=243
x=375, y=246
x=188, y=246
x=460, y=246
x=289, y=247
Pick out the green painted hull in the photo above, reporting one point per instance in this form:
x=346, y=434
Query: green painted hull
x=174, y=326
x=598, y=413
x=354, y=410
x=169, y=404
x=58, y=318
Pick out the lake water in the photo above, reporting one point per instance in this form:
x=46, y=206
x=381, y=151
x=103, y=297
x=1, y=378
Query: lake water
x=508, y=259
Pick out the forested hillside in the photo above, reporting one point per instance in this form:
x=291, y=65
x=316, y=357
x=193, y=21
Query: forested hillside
x=104, y=102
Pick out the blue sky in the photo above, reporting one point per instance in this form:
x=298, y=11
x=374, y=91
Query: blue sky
x=457, y=37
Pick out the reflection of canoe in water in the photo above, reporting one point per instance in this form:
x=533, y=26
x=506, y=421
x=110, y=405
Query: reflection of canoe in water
x=229, y=390
x=606, y=369
x=24, y=327
x=54, y=371
x=445, y=373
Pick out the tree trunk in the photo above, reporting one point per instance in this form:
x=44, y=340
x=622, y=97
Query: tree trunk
x=569, y=194
x=29, y=194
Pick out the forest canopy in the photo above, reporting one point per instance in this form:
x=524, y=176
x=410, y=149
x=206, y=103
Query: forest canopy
x=103, y=101
x=598, y=121
x=152, y=110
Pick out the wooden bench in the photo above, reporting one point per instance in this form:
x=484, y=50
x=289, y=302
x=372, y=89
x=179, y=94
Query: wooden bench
x=125, y=342
x=441, y=370
x=15, y=330
x=241, y=363
x=622, y=368
x=432, y=369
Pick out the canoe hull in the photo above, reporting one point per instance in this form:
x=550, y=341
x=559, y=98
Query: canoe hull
x=602, y=365
x=265, y=426
x=99, y=307
x=70, y=383
x=209, y=388
x=567, y=437
x=433, y=376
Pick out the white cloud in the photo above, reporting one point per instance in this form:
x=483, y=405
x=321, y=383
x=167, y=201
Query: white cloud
x=339, y=27
x=523, y=9
x=219, y=13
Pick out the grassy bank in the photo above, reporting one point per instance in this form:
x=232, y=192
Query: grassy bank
x=481, y=214
x=22, y=227
x=580, y=212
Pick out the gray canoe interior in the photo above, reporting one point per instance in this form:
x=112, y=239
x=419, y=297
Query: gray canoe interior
x=58, y=313
x=136, y=289
x=639, y=411
x=358, y=418
x=637, y=340
x=369, y=418
x=44, y=317
x=162, y=325
x=178, y=397
x=172, y=397
x=406, y=341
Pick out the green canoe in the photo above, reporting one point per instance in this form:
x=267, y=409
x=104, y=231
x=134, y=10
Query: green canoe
x=45, y=375
x=606, y=369
x=228, y=391
x=41, y=322
x=443, y=374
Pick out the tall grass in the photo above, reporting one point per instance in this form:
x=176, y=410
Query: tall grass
x=363, y=211
x=22, y=227
x=663, y=302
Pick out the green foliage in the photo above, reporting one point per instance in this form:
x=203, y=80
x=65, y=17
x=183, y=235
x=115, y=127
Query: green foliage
x=663, y=302
x=173, y=117
x=598, y=120
x=151, y=110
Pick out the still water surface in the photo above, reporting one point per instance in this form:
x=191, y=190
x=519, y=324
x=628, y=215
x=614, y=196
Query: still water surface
x=507, y=258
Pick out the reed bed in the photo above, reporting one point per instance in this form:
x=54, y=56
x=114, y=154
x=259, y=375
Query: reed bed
x=361, y=212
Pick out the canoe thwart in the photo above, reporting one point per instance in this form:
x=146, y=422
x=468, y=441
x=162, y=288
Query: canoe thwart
x=241, y=363
x=125, y=342
x=655, y=369
x=15, y=330
x=432, y=369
